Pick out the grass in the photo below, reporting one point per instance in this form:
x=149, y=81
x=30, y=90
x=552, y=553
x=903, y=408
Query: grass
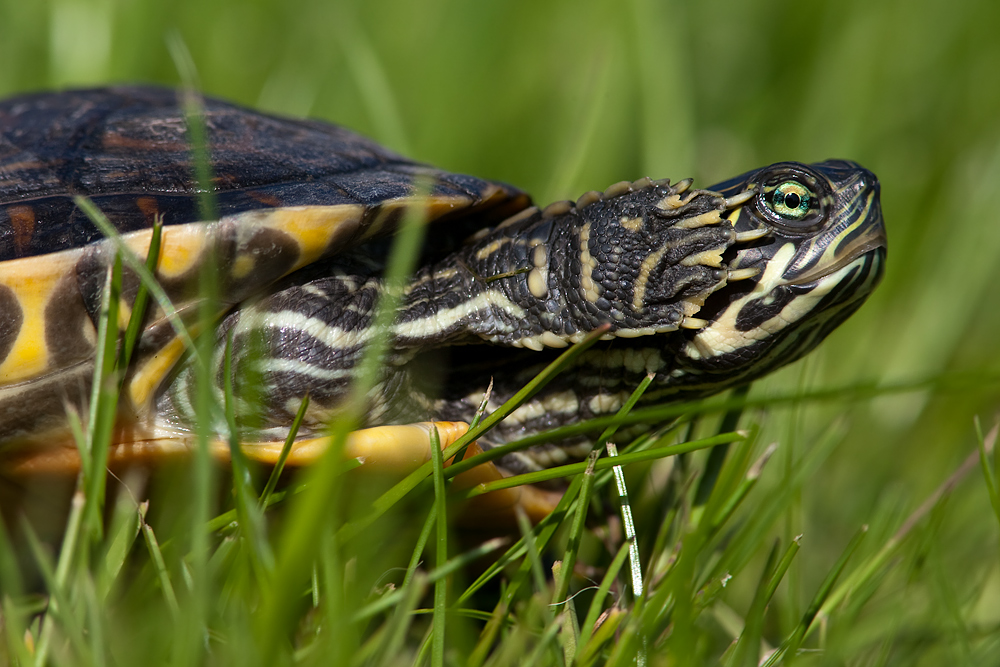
x=560, y=98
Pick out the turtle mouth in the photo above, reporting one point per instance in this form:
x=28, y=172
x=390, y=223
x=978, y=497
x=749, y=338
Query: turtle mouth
x=874, y=241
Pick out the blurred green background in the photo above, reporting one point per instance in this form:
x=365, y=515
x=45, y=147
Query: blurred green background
x=565, y=96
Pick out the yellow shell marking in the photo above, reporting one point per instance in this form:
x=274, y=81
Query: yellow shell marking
x=148, y=377
x=181, y=248
x=242, y=265
x=402, y=448
x=34, y=283
x=313, y=227
x=434, y=207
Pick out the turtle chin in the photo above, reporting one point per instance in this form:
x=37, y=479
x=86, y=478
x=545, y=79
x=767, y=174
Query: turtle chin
x=825, y=302
x=862, y=272
x=774, y=326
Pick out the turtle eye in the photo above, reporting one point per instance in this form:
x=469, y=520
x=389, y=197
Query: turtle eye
x=791, y=202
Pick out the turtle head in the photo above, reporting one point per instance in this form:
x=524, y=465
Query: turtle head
x=813, y=242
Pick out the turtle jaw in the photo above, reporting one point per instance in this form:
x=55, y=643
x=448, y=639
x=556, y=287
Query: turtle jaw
x=873, y=243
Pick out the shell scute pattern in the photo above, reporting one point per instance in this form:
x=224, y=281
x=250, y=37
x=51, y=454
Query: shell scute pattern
x=288, y=192
x=118, y=144
x=10, y=323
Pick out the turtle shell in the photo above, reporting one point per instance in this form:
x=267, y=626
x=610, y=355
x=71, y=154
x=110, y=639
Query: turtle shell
x=287, y=193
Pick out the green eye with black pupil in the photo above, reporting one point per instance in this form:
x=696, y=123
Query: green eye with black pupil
x=791, y=200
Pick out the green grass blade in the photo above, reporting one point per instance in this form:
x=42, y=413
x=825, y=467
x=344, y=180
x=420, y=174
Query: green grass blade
x=418, y=548
x=869, y=569
x=545, y=644
x=594, y=611
x=293, y=431
x=575, y=534
x=208, y=412
x=533, y=552
x=488, y=637
x=518, y=399
x=715, y=460
x=476, y=419
x=441, y=551
x=608, y=633
x=571, y=469
x=128, y=527
x=732, y=474
x=635, y=567
x=61, y=614
x=659, y=414
x=10, y=570
x=782, y=567
x=250, y=513
x=139, y=305
x=391, y=645
x=103, y=408
x=747, y=651
x=989, y=474
x=623, y=412
x=543, y=533
x=159, y=564
x=743, y=489
x=451, y=566
x=791, y=647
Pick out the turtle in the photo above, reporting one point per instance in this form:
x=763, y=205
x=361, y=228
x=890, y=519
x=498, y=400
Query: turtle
x=705, y=288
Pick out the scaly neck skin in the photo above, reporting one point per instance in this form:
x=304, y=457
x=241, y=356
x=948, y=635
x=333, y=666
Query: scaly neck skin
x=547, y=279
